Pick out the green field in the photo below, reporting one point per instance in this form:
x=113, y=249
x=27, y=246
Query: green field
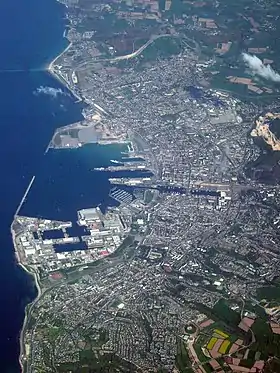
x=88, y=363
x=183, y=362
x=269, y=293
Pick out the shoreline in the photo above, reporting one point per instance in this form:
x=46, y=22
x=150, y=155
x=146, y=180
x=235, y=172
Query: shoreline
x=50, y=69
x=21, y=338
x=39, y=293
x=51, y=64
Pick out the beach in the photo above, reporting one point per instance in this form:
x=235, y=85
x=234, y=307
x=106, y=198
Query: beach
x=52, y=63
x=51, y=69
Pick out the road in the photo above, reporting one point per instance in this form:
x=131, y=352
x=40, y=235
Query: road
x=134, y=54
x=141, y=49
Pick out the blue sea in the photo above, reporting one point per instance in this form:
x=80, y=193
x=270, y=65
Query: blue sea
x=31, y=35
x=32, y=105
x=67, y=181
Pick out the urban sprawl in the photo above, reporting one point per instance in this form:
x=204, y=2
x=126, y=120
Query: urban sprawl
x=181, y=276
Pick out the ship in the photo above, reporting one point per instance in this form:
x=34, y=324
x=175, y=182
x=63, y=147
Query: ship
x=99, y=169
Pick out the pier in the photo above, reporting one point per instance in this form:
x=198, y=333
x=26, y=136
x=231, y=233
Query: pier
x=24, y=196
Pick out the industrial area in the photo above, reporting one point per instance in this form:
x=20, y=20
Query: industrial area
x=48, y=246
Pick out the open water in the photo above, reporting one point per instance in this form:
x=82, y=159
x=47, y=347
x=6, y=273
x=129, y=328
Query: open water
x=31, y=34
x=67, y=181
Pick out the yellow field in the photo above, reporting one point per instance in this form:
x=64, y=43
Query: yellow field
x=222, y=334
x=224, y=347
x=211, y=343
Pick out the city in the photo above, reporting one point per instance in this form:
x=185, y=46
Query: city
x=175, y=278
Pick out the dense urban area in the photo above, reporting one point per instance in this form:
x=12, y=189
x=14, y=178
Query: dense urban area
x=182, y=274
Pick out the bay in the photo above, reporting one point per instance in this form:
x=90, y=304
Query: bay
x=68, y=181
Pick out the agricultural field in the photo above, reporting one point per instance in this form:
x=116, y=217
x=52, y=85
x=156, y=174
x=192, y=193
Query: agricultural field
x=234, y=340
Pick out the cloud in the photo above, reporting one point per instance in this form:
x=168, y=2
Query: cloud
x=50, y=91
x=257, y=67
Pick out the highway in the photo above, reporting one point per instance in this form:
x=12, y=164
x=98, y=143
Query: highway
x=134, y=54
x=140, y=50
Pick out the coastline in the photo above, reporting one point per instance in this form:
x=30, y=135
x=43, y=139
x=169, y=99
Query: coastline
x=55, y=72
x=39, y=293
x=51, y=70
x=51, y=64
x=21, y=338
